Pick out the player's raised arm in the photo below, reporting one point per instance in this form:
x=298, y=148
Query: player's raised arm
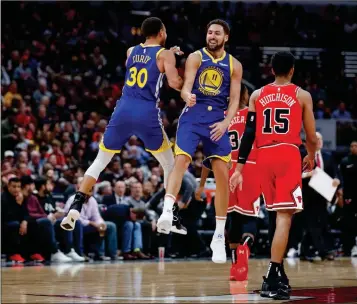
x=246, y=143
x=193, y=62
x=234, y=93
x=309, y=127
x=173, y=78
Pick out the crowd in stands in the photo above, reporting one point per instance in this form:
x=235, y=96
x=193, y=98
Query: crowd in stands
x=62, y=71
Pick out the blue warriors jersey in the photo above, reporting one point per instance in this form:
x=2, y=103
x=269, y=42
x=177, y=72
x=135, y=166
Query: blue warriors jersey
x=143, y=79
x=213, y=79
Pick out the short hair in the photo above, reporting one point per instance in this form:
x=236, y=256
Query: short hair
x=222, y=23
x=40, y=182
x=282, y=63
x=151, y=27
x=14, y=180
x=26, y=180
x=243, y=89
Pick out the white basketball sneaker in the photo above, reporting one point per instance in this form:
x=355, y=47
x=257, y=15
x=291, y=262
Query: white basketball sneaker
x=69, y=221
x=164, y=224
x=218, y=247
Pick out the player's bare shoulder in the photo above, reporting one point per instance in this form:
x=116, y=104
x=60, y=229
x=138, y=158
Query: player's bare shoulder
x=304, y=98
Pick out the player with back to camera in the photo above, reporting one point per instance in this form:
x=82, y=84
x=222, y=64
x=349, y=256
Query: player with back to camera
x=136, y=112
x=276, y=112
x=211, y=87
x=244, y=205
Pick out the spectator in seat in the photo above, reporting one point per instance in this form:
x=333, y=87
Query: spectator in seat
x=71, y=240
x=100, y=234
x=44, y=221
x=140, y=217
x=19, y=233
x=35, y=164
x=341, y=112
x=117, y=197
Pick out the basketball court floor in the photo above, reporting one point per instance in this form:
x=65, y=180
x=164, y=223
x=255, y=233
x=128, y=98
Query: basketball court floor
x=181, y=281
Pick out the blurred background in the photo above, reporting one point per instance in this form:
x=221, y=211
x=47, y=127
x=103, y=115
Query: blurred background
x=62, y=71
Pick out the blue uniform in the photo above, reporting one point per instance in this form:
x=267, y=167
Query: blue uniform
x=212, y=88
x=137, y=112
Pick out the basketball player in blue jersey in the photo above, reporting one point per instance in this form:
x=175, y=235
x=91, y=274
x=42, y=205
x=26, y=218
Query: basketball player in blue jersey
x=136, y=112
x=211, y=87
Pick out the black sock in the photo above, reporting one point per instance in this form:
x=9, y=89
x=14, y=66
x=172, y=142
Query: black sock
x=273, y=270
x=234, y=255
x=249, y=240
x=282, y=271
x=79, y=199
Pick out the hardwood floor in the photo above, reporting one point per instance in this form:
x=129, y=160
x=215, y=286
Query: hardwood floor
x=174, y=282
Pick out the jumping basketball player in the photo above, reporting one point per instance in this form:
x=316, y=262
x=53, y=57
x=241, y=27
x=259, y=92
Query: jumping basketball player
x=274, y=121
x=136, y=112
x=244, y=205
x=211, y=76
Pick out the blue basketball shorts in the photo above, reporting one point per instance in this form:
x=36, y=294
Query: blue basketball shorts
x=194, y=126
x=135, y=117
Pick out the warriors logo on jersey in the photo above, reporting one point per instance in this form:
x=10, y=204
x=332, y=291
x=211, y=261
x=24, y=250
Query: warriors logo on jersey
x=210, y=81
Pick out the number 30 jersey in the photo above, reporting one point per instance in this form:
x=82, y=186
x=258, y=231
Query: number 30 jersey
x=279, y=115
x=143, y=79
x=235, y=132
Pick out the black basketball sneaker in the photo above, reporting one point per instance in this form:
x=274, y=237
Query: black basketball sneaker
x=177, y=227
x=275, y=289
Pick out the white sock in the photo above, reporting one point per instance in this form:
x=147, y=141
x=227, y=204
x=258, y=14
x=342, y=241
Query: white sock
x=169, y=202
x=220, y=225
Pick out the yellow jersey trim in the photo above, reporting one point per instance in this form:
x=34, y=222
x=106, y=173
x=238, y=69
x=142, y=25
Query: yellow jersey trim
x=103, y=148
x=159, y=51
x=149, y=45
x=179, y=151
x=231, y=64
x=226, y=158
x=215, y=60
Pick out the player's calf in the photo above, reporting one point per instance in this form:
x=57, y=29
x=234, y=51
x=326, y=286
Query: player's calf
x=164, y=224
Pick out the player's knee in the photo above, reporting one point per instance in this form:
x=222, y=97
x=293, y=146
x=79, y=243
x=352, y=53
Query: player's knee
x=220, y=168
x=182, y=162
x=101, y=161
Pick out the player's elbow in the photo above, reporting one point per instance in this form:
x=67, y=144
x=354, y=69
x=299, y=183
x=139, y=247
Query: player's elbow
x=175, y=83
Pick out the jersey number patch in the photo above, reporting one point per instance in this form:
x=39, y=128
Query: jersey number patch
x=281, y=122
x=234, y=139
x=140, y=78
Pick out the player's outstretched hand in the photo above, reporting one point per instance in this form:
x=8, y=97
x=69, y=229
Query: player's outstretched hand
x=236, y=180
x=176, y=50
x=218, y=130
x=307, y=164
x=191, y=100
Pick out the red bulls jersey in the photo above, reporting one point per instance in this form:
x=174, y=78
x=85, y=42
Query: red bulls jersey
x=279, y=115
x=235, y=132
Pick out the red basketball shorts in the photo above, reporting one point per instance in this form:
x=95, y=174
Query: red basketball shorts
x=279, y=171
x=247, y=200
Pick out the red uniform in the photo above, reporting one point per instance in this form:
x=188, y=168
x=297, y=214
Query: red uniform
x=278, y=126
x=245, y=201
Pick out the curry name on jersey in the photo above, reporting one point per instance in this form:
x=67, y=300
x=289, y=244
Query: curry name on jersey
x=235, y=132
x=279, y=115
x=143, y=79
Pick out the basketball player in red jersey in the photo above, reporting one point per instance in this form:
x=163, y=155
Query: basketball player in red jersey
x=244, y=205
x=274, y=122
